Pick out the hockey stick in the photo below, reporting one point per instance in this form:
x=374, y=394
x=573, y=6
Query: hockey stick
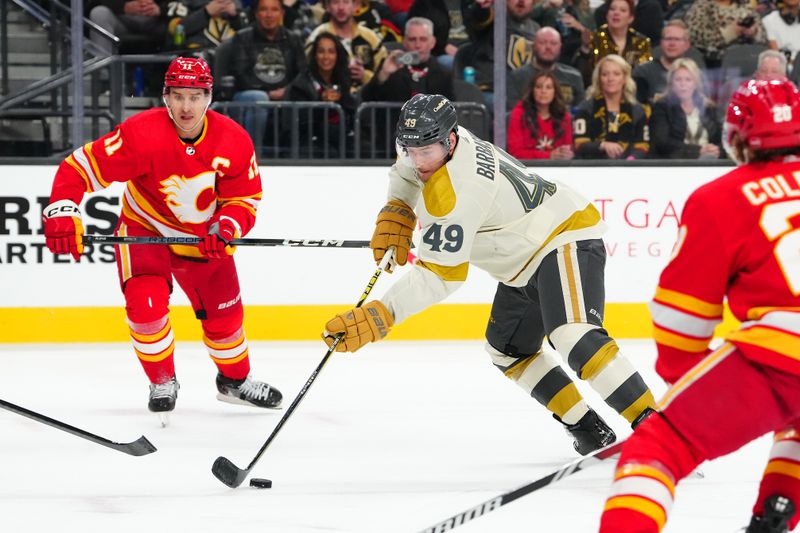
x=140, y=446
x=495, y=503
x=302, y=243
x=233, y=476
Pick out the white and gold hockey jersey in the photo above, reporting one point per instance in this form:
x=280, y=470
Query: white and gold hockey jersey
x=483, y=207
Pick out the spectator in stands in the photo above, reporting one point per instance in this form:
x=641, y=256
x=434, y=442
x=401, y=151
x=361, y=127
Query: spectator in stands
x=364, y=47
x=299, y=18
x=648, y=18
x=616, y=37
x=378, y=17
x=540, y=126
x=783, y=28
x=448, y=27
x=399, y=10
x=327, y=78
x=771, y=66
x=651, y=77
x=610, y=124
x=573, y=19
x=412, y=70
x=546, y=51
x=265, y=58
x=144, y=18
x=716, y=24
x=479, y=54
x=202, y=24
x=684, y=123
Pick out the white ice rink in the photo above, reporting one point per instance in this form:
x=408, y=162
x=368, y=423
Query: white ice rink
x=393, y=439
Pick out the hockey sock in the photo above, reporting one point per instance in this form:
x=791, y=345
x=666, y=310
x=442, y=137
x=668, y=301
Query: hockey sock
x=146, y=299
x=782, y=474
x=154, y=345
x=653, y=460
x=228, y=351
x=595, y=357
x=541, y=376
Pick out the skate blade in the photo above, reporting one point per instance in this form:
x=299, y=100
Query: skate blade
x=163, y=418
x=236, y=401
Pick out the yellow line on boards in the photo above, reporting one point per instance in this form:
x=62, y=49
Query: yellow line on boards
x=286, y=322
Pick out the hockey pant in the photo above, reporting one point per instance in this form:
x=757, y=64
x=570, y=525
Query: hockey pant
x=146, y=274
x=564, y=300
x=708, y=413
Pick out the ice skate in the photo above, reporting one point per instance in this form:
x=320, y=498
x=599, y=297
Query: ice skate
x=778, y=510
x=162, y=399
x=590, y=433
x=248, y=392
x=642, y=416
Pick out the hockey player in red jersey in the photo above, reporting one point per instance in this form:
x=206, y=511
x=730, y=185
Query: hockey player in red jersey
x=739, y=238
x=189, y=172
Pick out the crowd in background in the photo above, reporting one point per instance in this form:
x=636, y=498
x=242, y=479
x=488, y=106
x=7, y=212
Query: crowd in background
x=626, y=79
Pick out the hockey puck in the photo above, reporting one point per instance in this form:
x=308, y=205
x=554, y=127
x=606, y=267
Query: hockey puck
x=261, y=483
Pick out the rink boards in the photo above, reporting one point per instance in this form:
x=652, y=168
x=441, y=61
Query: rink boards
x=290, y=292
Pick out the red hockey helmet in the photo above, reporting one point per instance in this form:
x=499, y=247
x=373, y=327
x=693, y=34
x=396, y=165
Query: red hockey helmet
x=189, y=72
x=764, y=114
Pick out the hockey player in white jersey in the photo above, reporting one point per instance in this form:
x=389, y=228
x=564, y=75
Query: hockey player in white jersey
x=479, y=206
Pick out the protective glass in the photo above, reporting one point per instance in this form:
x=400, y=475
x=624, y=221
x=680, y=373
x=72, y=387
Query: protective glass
x=726, y=145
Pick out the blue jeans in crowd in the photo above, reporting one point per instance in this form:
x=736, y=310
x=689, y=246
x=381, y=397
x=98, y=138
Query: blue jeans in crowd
x=253, y=120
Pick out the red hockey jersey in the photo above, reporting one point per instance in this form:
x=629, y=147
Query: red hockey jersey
x=173, y=188
x=739, y=237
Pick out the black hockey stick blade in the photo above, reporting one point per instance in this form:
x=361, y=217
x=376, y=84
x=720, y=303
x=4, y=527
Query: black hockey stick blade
x=137, y=448
x=233, y=476
x=227, y=472
x=495, y=503
x=299, y=243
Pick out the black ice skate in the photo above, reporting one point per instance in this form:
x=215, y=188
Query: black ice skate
x=162, y=399
x=778, y=510
x=590, y=433
x=248, y=392
x=644, y=414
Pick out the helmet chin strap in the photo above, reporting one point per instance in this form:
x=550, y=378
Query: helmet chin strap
x=169, y=111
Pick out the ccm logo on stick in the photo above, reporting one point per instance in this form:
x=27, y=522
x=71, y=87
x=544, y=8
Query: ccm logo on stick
x=310, y=242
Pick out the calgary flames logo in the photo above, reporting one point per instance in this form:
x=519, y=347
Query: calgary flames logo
x=192, y=200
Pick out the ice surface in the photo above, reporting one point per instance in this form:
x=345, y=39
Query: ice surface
x=393, y=439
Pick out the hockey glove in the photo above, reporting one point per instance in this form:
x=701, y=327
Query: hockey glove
x=215, y=244
x=63, y=229
x=394, y=227
x=370, y=322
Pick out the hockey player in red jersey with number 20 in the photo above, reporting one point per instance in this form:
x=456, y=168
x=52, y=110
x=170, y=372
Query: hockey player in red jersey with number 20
x=189, y=172
x=738, y=238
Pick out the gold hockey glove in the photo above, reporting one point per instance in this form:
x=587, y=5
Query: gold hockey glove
x=394, y=226
x=360, y=325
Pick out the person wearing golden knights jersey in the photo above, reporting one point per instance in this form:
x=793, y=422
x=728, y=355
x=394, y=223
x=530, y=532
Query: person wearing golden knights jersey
x=541, y=240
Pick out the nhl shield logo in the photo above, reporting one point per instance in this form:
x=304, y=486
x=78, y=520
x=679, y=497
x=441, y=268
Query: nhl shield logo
x=190, y=150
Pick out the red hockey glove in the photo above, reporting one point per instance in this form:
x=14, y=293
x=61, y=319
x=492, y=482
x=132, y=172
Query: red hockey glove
x=215, y=244
x=63, y=229
x=370, y=322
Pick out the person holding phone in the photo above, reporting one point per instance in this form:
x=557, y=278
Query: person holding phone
x=716, y=24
